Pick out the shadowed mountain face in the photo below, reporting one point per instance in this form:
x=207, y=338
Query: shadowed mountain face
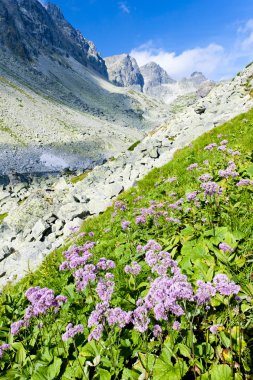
x=28, y=29
x=55, y=97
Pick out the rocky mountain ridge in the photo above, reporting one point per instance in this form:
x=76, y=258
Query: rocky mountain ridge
x=153, y=80
x=28, y=29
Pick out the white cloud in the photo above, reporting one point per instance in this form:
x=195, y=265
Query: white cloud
x=198, y=59
x=124, y=8
x=246, y=32
x=214, y=60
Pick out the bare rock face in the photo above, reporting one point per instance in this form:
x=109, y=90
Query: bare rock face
x=160, y=85
x=154, y=75
x=27, y=29
x=154, y=81
x=124, y=71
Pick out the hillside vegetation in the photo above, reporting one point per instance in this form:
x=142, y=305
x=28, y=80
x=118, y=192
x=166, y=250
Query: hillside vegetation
x=157, y=287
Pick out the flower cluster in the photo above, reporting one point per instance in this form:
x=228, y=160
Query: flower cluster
x=210, y=146
x=42, y=300
x=204, y=292
x=71, y=331
x=205, y=177
x=211, y=188
x=159, y=262
x=4, y=347
x=133, y=269
x=77, y=256
x=192, y=166
x=191, y=196
x=102, y=314
x=215, y=328
x=224, y=286
x=120, y=205
x=171, y=179
x=244, y=182
x=125, y=224
x=229, y=172
x=225, y=247
x=105, y=287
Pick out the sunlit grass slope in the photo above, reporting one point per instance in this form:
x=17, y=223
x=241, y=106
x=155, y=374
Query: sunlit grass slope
x=173, y=297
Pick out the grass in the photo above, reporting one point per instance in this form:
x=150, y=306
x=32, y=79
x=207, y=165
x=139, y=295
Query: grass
x=2, y=217
x=193, y=245
x=9, y=131
x=15, y=87
x=79, y=177
x=134, y=145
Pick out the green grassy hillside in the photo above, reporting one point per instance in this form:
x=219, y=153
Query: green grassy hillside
x=158, y=287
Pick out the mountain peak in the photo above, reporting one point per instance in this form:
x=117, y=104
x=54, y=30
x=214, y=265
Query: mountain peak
x=199, y=75
x=154, y=75
x=124, y=71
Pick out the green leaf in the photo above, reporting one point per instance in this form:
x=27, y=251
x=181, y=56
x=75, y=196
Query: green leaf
x=20, y=352
x=102, y=374
x=54, y=369
x=146, y=363
x=220, y=233
x=167, y=371
x=250, y=171
x=50, y=372
x=184, y=350
x=130, y=374
x=218, y=372
x=245, y=307
x=225, y=338
x=90, y=350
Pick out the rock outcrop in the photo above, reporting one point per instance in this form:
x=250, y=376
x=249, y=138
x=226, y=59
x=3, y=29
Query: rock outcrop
x=158, y=84
x=124, y=71
x=154, y=75
x=29, y=29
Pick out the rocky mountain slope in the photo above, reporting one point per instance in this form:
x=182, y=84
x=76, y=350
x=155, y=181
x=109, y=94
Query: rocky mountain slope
x=40, y=220
x=29, y=29
x=154, y=81
x=57, y=107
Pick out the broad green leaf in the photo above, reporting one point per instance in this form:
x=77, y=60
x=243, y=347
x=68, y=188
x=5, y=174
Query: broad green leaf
x=102, y=374
x=130, y=374
x=90, y=350
x=50, y=372
x=184, y=350
x=54, y=369
x=167, y=371
x=245, y=307
x=145, y=363
x=221, y=372
x=20, y=352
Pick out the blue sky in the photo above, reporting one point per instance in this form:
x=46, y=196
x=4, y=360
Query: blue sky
x=213, y=36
